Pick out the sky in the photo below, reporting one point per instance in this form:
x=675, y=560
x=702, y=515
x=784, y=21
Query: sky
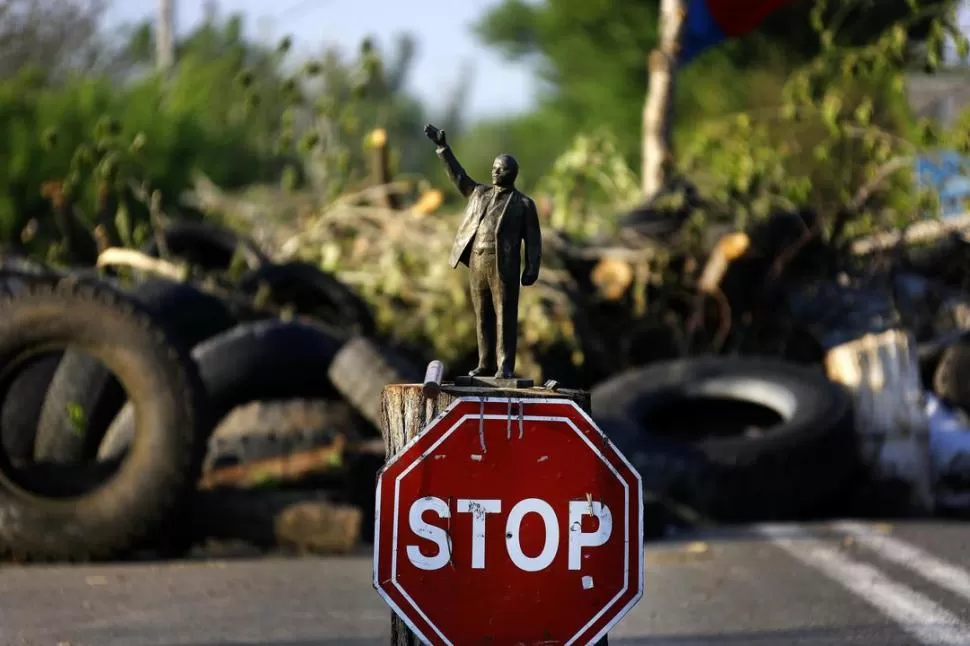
x=441, y=27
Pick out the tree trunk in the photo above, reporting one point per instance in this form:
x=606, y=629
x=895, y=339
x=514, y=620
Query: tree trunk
x=165, y=35
x=656, y=154
x=405, y=412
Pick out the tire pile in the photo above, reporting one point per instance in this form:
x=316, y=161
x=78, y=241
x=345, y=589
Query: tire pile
x=117, y=420
x=732, y=439
x=155, y=414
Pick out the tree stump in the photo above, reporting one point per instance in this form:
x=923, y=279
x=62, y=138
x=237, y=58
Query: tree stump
x=870, y=352
x=305, y=521
x=406, y=411
x=882, y=373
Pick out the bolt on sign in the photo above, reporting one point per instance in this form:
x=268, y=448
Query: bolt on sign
x=509, y=522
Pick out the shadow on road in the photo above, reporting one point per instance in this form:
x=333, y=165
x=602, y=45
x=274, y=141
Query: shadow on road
x=813, y=529
x=800, y=637
x=339, y=641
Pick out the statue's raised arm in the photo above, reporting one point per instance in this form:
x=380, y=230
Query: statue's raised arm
x=465, y=184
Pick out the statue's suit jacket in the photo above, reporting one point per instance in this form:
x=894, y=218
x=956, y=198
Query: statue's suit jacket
x=518, y=223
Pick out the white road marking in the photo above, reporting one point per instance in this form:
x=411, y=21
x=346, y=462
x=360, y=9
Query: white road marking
x=932, y=568
x=926, y=621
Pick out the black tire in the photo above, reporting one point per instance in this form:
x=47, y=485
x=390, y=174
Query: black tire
x=207, y=245
x=946, y=324
x=271, y=429
x=82, y=384
x=797, y=467
x=655, y=224
x=54, y=522
x=362, y=369
x=951, y=381
x=251, y=362
x=312, y=292
x=22, y=403
x=23, y=265
x=657, y=218
x=23, y=392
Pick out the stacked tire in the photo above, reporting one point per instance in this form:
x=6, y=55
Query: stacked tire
x=115, y=392
x=92, y=511
x=733, y=439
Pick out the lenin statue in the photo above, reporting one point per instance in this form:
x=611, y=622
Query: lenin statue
x=498, y=220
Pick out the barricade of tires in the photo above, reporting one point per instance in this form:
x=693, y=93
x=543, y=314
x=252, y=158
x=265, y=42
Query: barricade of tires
x=151, y=414
x=243, y=404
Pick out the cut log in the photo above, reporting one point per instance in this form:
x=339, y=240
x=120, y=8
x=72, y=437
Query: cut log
x=728, y=248
x=882, y=372
x=308, y=521
x=612, y=278
x=429, y=202
x=284, y=469
x=319, y=528
x=381, y=169
x=405, y=412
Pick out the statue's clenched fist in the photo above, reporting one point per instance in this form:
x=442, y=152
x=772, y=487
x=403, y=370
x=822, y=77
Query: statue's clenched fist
x=436, y=135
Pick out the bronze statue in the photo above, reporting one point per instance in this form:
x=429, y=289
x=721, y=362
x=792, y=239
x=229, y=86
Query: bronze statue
x=498, y=220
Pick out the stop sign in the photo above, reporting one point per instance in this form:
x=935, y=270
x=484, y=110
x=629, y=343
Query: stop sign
x=511, y=522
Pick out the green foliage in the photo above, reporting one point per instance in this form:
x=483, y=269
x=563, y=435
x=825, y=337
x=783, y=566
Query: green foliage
x=787, y=118
x=591, y=56
x=590, y=173
x=233, y=110
x=841, y=138
x=89, y=132
x=332, y=103
x=77, y=418
x=533, y=139
x=592, y=59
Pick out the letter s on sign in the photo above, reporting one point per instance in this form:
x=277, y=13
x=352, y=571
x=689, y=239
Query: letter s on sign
x=430, y=532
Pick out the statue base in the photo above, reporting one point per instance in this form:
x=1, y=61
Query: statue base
x=494, y=382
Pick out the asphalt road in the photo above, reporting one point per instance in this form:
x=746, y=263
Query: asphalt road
x=889, y=585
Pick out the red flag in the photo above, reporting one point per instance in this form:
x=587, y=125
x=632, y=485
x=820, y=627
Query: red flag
x=738, y=17
x=710, y=22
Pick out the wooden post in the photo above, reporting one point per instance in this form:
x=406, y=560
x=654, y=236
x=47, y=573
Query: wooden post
x=406, y=411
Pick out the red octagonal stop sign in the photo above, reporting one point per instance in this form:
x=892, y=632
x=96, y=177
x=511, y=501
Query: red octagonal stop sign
x=509, y=522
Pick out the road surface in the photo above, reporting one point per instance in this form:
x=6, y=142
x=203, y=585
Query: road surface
x=789, y=585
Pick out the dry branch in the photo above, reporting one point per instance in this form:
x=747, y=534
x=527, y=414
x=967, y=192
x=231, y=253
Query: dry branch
x=919, y=232
x=139, y=260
